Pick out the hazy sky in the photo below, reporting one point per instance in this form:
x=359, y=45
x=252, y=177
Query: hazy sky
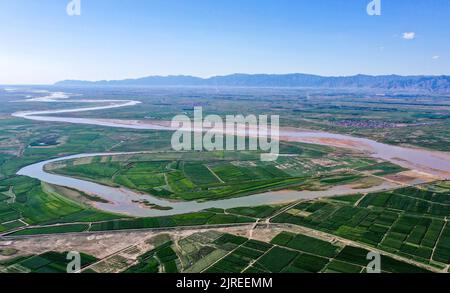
x=115, y=39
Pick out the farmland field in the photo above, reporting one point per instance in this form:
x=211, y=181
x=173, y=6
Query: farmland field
x=407, y=223
x=191, y=176
x=400, y=222
x=215, y=252
x=225, y=137
x=49, y=262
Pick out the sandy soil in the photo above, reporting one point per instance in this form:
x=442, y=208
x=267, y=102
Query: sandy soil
x=409, y=177
x=100, y=245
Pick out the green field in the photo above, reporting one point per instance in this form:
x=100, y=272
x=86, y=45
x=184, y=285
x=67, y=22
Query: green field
x=217, y=175
x=301, y=254
x=160, y=259
x=412, y=230
x=36, y=205
x=411, y=223
x=71, y=228
x=194, y=219
x=215, y=252
x=49, y=262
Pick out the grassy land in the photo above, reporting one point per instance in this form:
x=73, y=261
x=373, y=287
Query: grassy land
x=49, y=262
x=218, y=175
x=25, y=198
x=160, y=259
x=36, y=205
x=410, y=222
x=215, y=252
x=71, y=228
x=296, y=253
x=194, y=219
x=415, y=119
x=287, y=253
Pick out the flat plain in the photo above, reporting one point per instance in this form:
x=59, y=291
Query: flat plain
x=408, y=225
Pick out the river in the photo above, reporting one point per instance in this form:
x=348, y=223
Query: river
x=128, y=202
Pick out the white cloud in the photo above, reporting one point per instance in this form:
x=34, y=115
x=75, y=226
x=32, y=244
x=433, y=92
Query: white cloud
x=409, y=35
x=436, y=57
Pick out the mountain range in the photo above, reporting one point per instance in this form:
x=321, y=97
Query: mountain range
x=440, y=84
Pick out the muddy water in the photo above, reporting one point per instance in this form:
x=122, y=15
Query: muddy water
x=125, y=201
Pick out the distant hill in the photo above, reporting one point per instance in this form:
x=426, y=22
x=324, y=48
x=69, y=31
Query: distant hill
x=386, y=82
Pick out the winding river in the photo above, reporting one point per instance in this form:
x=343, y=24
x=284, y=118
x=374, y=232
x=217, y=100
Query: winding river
x=128, y=202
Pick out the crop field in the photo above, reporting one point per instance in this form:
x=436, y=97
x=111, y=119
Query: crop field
x=412, y=200
x=194, y=219
x=31, y=204
x=49, y=262
x=193, y=176
x=419, y=234
x=307, y=244
x=160, y=259
x=259, y=212
x=382, y=169
x=70, y=228
x=96, y=223
x=408, y=223
x=24, y=201
x=290, y=253
x=212, y=252
x=296, y=253
x=217, y=252
x=393, y=118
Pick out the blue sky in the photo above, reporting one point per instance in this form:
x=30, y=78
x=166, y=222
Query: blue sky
x=115, y=39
